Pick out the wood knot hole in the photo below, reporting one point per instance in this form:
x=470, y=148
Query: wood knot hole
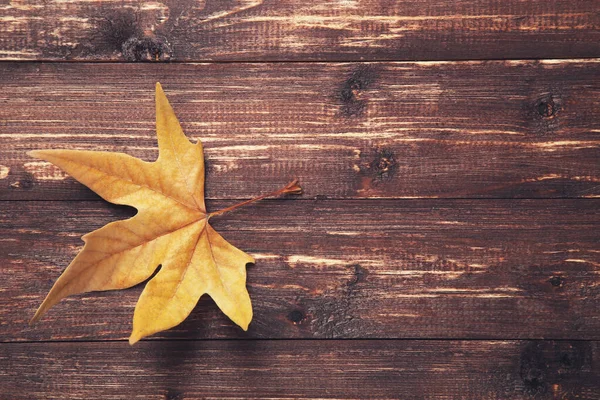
x=546, y=107
x=133, y=34
x=154, y=48
x=173, y=394
x=384, y=165
x=359, y=275
x=352, y=91
x=557, y=281
x=296, y=316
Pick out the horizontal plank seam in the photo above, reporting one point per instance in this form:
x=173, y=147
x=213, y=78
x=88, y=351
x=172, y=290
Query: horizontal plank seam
x=413, y=339
x=335, y=61
x=330, y=199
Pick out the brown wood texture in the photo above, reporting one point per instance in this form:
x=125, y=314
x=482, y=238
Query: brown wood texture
x=448, y=229
x=501, y=129
x=302, y=369
x=518, y=269
x=242, y=30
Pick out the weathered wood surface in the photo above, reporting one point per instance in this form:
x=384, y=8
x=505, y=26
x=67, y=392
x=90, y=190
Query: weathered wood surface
x=505, y=269
x=412, y=226
x=405, y=369
x=242, y=30
x=443, y=129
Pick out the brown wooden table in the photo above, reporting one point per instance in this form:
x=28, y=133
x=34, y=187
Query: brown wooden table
x=447, y=243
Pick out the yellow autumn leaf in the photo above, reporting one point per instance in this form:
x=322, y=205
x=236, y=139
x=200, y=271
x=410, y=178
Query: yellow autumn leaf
x=171, y=229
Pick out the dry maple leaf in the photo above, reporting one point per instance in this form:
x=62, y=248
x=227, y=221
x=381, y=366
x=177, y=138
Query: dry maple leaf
x=171, y=229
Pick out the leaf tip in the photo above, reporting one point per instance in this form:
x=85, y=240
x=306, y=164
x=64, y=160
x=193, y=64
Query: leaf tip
x=133, y=339
x=34, y=153
x=246, y=318
x=38, y=314
x=161, y=100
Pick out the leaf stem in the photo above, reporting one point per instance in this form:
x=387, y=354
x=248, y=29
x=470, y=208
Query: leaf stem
x=290, y=188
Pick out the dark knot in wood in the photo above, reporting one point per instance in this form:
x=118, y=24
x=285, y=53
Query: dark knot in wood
x=124, y=31
x=557, y=281
x=359, y=275
x=352, y=90
x=547, y=107
x=296, y=316
x=154, y=48
x=551, y=364
x=384, y=165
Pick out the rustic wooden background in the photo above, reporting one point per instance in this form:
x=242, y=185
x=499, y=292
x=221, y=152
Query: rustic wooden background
x=446, y=245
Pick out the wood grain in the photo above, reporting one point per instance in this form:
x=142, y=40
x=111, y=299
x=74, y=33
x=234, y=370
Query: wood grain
x=443, y=199
x=506, y=269
x=302, y=369
x=243, y=30
x=397, y=130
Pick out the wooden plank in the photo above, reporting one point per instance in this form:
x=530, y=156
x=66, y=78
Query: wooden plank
x=302, y=369
x=397, y=130
x=500, y=269
x=251, y=30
